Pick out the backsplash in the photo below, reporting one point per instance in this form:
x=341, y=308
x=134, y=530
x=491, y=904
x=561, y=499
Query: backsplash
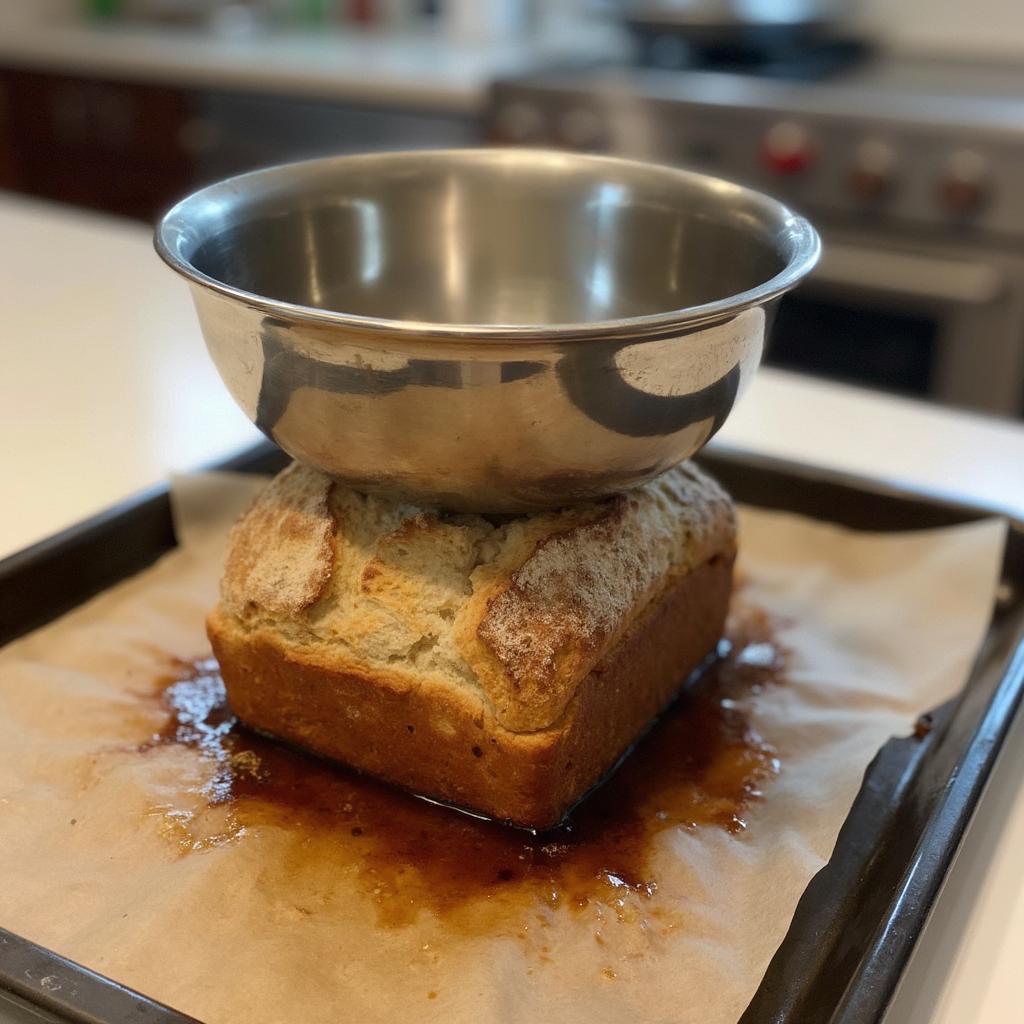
x=950, y=27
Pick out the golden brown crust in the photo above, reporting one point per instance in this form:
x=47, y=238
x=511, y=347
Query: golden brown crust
x=279, y=552
x=582, y=587
x=514, y=613
x=445, y=741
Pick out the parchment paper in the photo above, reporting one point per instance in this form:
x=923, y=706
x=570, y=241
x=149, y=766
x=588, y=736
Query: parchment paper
x=881, y=627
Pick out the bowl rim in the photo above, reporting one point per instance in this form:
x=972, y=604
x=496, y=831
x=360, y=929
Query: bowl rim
x=803, y=240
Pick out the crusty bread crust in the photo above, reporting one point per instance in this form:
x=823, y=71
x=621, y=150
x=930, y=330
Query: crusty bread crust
x=289, y=574
x=395, y=638
x=518, y=611
x=440, y=742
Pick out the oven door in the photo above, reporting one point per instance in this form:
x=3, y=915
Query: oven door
x=947, y=325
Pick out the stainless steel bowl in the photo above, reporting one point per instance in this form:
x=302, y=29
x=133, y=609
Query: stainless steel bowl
x=492, y=330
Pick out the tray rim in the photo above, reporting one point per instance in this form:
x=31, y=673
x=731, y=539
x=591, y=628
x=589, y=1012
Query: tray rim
x=85, y=528
x=252, y=457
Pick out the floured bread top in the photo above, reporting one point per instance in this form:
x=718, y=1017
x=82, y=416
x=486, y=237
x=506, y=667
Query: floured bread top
x=515, y=610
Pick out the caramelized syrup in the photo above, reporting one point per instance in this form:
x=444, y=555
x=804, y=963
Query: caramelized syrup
x=701, y=765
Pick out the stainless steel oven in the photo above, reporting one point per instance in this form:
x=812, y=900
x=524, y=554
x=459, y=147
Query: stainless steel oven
x=943, y=321
x=912, y=170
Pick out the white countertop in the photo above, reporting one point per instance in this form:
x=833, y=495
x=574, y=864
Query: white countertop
x=107, y=389
x=354, y=65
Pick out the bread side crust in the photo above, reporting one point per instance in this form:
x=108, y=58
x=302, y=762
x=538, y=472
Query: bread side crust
x=280, y=552
x=546, y=624
x=445, y=741
x=516, y=614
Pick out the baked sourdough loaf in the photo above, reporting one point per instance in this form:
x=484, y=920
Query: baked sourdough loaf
x=502, y=665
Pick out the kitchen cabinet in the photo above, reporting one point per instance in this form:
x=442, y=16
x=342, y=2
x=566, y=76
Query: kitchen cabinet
x=104, y=145
x=241, y=131
x=134, y=148
x=9, y=178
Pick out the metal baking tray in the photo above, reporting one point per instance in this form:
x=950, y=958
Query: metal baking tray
x=860, y=916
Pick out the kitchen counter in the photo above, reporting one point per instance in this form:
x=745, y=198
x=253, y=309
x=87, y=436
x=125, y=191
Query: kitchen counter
x=108, y=389
x=356, y=65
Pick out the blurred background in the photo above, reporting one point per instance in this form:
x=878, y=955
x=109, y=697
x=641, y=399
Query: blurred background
x=897, y=126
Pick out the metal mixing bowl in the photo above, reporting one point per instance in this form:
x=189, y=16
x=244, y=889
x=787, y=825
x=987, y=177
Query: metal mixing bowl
x=492, y=330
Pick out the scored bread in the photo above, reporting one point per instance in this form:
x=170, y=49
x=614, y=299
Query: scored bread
x=501, y=664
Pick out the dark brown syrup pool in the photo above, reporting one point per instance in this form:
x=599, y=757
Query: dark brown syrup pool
x=701, y=766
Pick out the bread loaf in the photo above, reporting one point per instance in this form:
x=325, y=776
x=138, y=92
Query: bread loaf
x=500, y=664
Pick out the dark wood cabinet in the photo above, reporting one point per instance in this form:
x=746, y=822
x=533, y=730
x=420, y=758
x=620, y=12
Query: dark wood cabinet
x=105, y=145
x=135, y=148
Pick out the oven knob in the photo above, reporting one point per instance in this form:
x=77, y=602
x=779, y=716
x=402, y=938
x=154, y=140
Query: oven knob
x=581, y=129
x=873, y=170
x=964, y=187
x=519, y=122
x=787, y=148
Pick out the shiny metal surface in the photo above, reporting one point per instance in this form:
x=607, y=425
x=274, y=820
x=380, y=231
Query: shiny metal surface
x=494, y=330
x=726, y=15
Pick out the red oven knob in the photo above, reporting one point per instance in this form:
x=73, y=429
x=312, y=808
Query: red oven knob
x=873, y=171
x=787, y=148
x=964, y=187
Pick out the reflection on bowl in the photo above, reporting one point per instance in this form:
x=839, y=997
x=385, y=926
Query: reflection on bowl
x=485, y=329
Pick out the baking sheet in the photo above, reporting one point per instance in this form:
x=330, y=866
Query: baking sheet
x=880, y=629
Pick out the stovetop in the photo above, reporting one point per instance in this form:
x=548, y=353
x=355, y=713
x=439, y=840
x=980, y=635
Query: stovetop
x=933, y=143
x=798, y=59
x=886, y=86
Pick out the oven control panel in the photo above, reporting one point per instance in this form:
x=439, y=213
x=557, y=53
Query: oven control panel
x=879, y=167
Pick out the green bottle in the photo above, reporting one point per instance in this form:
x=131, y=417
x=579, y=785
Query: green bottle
x=312, y=12
x=103, y=10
